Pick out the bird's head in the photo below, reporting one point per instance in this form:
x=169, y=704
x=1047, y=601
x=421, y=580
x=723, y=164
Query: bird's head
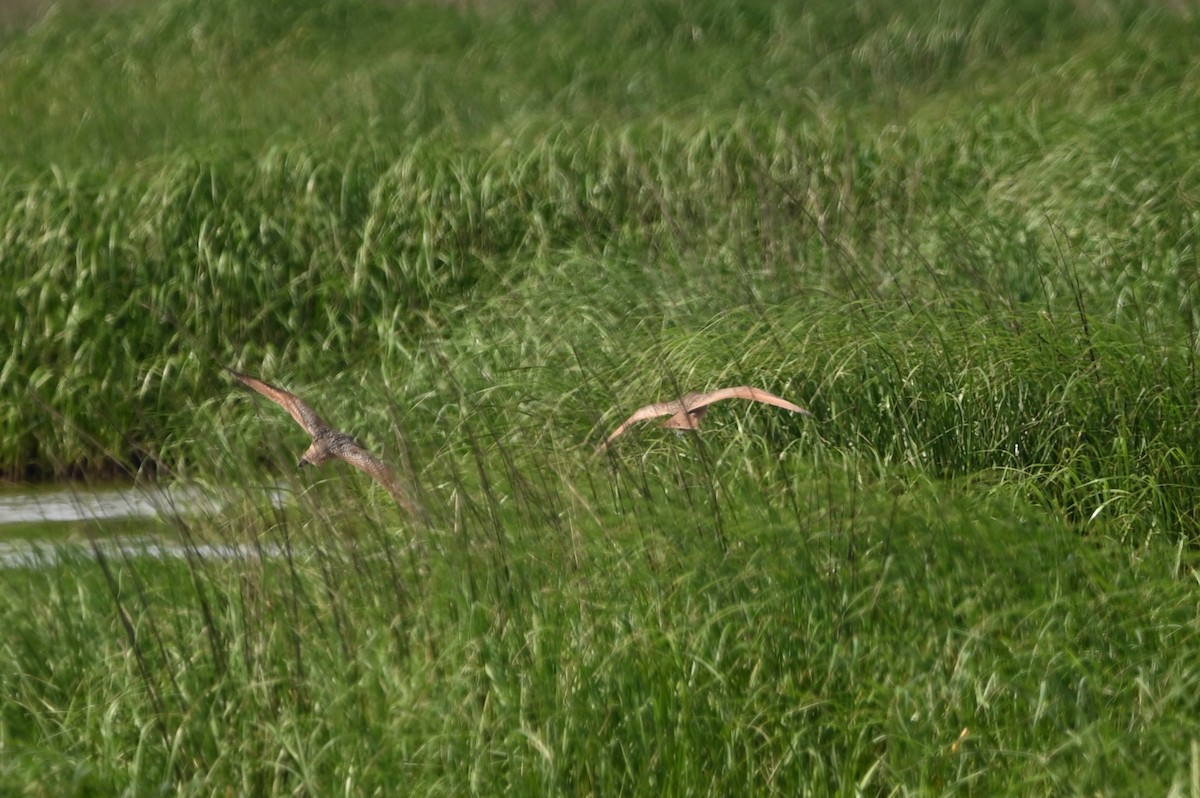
x=314, y=455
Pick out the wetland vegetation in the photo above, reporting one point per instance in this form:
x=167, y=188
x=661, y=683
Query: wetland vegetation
x=963, y=234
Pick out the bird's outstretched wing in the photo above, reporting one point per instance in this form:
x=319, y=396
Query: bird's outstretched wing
x=692, y=402
x=305, y=416
x=746, y=392
x=368, y=463
x=641, y=414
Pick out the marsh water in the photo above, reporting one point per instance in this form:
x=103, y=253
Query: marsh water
x=43, y=527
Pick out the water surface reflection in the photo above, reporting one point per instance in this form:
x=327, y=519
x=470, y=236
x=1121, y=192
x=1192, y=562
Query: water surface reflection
x=101, y=504
x=40, y=513
x=39, y=554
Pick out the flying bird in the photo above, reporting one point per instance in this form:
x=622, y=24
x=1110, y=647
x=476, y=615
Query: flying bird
x=328, y=443
x=689, y=410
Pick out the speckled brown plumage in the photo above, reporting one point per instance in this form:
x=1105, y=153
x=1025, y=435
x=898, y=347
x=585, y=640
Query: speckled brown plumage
x=328, y=443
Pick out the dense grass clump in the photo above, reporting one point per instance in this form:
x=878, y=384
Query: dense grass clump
x=1014, y=326
x=820, y=628
x=964, y=235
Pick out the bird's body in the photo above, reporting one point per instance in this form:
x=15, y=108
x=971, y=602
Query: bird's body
x=328, y=443
x=689, y=410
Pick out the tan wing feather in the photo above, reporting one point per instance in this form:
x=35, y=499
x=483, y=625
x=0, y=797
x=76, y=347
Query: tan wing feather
x=380, y=471
x=649, y=411
x=689, y=403
x=753, y=394
x=304, y=415
x=340, y=447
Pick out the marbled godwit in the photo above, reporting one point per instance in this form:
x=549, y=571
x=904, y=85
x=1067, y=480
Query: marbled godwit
x=689, y=410
x=328, y=443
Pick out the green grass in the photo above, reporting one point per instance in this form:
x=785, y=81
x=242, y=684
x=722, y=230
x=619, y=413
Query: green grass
x=964, y=235
x=810, y=629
